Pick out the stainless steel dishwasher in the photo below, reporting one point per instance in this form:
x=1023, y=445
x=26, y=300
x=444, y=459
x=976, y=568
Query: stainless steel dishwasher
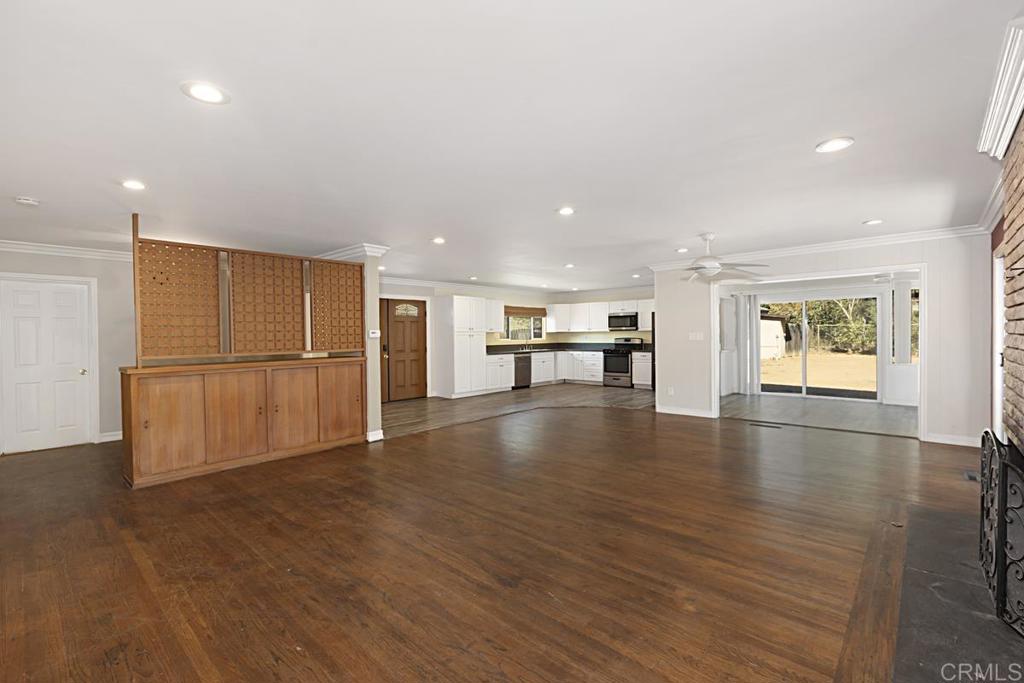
x=524, y=371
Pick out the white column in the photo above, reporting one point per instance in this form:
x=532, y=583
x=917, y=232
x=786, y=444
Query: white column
x=901, y=321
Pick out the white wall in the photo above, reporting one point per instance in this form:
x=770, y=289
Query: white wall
x=115, y=299
x=685, y=345
x=956, y=306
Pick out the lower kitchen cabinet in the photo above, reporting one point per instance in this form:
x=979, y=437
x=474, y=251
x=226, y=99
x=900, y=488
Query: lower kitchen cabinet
x=501, y=371
x=542, y=368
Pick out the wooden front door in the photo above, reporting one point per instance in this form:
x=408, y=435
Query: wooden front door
x=406, y=349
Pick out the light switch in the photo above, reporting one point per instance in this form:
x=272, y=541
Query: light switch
x=374, y=334
x=696, y=336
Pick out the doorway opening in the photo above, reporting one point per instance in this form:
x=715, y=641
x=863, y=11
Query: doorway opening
x=403, y=360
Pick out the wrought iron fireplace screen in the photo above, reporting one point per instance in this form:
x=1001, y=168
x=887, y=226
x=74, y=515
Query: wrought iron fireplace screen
x=1001, y=542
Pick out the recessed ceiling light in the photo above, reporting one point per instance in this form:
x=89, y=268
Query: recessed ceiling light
x=132, y=184
x=543, y=285
x=575, y=289
x=438, y=240
x=26, y=201
x=472, y=277
x=382, y=267
x=636, y=275
x=833, y=145
x=566, y=211
x=873, y=221
x=570, y=265
x=682, y=250
x=205, y=92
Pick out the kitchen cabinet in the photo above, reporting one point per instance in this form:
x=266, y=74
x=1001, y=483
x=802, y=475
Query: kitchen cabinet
x=593, y=366
x=495, y=315
x=542, y=368
x=469, y=313
x=598, y=312
x=559, y=318
x=645, y=318
x=622, y=306
x=470, y=362
x=563, y=364
x=501, y=371
x=170, y=433
x=643, y=369
x=341, y=401
x=579, y=318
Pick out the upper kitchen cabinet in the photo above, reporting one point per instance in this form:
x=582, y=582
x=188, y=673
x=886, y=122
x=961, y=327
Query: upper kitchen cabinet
x=559, y=318
x=622, y=306
x=495, y=315
x=645, y=319
x=598, y=316
x=469, y=313
x=579, y=320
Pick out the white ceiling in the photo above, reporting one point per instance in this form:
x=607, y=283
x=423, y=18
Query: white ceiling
x=391, y=122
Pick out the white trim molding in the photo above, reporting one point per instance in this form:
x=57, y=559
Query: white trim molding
x=437, y=284
x=840, y=245
x=659, y=408
x=60, y=250
x=1006, y=99
x=355, y=252
x=993, y=211
x=377, y=435
x=954, y=439
x=109, y=436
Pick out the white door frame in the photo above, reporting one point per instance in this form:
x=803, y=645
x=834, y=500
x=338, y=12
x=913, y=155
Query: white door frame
x=922, y=268
x=93, y=353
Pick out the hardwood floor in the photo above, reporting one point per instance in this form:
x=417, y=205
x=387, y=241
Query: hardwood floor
x=825, y=413
x=417, y=415
x=593, y=544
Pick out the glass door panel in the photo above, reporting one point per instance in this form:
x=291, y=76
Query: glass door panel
x=842, y=348
x=781, y=355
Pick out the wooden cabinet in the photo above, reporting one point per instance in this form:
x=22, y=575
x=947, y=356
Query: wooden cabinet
x=645, y=317
x=169, y=424
x=236, y=414
x=294, y=407
x=341, y=401
x=183, y=421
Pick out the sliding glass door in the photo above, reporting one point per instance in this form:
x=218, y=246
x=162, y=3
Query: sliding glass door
x=820, y=347
x=842, y=353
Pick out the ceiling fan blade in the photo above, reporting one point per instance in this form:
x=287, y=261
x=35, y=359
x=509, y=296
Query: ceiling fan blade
x=744, y=265
x=736, y=274
x=693, y=277
x=693, y=268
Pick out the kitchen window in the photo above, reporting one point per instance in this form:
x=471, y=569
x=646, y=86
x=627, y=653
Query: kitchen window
x=524, y=328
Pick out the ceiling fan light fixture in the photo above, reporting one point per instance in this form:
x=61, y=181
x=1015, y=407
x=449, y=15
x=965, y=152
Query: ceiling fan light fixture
x=833, y=145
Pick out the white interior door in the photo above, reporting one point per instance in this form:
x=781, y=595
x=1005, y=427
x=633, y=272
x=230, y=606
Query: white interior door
x=44, y=341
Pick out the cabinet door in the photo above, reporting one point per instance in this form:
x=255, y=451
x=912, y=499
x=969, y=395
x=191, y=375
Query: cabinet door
x=236, y=414
x=580, y=318
x=294, y=416
x=645, y=319
x=493, y=375
x=508, y=375
x=462, y=363
x=170, y=431
x=622, y=306
x=559, y=318
x=598, y=314
x=479, y=314
x=495, y=315
x=463, y=312
x=642, y=373
x=478, y=356
x=341, y=401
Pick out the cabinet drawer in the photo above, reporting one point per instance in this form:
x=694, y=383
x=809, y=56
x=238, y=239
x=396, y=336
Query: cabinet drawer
x=641, y=357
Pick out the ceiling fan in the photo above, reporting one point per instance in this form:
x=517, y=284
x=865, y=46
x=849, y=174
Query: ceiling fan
x=710, y=268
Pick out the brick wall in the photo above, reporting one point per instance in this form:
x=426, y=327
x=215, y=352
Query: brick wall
x=1013, y=251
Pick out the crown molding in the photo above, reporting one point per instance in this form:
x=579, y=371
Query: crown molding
x=356, y=252
x=438, y=284
x=1006, y=99
x=993, y=211
x=61, y=250
x=840, y=245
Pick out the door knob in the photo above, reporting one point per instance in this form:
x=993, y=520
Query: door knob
x=83, y=371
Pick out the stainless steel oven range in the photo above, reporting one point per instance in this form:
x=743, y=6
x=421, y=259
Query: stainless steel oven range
x=618, y=363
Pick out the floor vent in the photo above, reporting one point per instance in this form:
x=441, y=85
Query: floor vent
x=971, y=475
x=766, y=426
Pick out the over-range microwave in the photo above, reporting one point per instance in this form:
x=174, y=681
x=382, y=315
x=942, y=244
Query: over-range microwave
x=622, y=321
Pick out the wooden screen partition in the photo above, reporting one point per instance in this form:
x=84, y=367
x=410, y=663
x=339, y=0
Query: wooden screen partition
x=177, y=287
x=337, y=304
x=267, y=310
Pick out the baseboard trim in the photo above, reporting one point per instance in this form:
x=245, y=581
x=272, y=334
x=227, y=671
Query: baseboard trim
x=109, y=436
x=954, y=439
x=684, y=411
x=377, y=435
